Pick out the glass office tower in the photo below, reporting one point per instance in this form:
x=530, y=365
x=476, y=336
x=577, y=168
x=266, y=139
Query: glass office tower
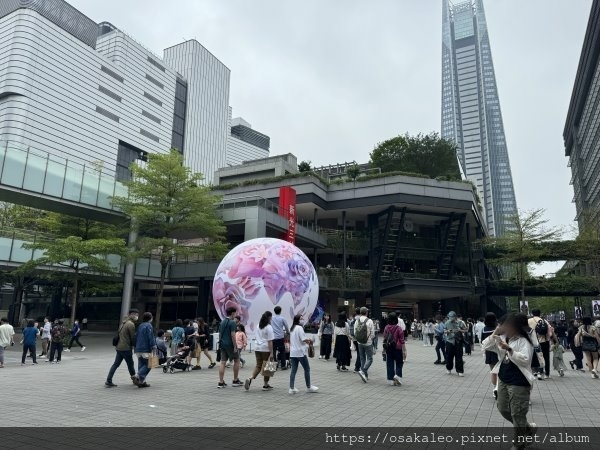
x=471, y=114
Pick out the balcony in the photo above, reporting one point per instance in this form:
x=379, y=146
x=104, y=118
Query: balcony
x=345, y=279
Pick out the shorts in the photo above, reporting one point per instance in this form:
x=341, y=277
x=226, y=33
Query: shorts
x=228, y=353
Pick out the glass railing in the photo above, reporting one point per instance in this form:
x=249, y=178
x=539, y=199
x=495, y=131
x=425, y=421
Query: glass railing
x=37, y=171
x=12, y=250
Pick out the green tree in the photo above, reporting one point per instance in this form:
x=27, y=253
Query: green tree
x=523, y=243
x=19, y=216
x=353, y=172
x=424, y=154
x=78, y=247
x=168, y=204
x=304, y=166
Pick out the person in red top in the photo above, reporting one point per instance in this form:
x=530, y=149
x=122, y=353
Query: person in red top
x=395, y=350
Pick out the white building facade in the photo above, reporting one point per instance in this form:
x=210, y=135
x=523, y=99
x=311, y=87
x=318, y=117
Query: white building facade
x=245, y=143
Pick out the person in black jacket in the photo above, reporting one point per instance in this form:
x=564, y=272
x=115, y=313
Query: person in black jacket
x=577, y=352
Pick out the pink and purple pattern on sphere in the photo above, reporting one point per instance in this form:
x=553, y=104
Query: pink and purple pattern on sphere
x=262, y=273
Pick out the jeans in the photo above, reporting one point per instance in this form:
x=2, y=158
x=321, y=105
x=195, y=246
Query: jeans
x=357, y=363
x=375, y=341
x=564, y=341
x=513, y=404
x=56, y=347
x=2, y=356
x=394, y=363
x=279, y=352
x=366, y=357
x=74, y=339
x=440, y=348
x=545, y=346
x=119, y=357
x=143, y=369
x=305, y=366
x=28, y=348
x=454, y=352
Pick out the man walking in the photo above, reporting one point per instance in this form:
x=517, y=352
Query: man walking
x=353, y=340
x=125, y=343
x=46, y=329
x=228, y=348
x=455, y=335
x=440, y=336
x=6, y=338
x=144, y=345
x=58, y=334
x=478, y=329
x=363, y=333
x=280, y=329
x=544, y=333
x=75, y=334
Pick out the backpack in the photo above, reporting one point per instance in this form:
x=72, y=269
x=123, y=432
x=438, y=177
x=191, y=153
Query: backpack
x=589, y=344
x=541, y=328
x=389, y=343
x=361, y=333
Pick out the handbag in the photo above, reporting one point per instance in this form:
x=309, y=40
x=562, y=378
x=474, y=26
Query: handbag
x=153, y=361
x=117, y=338
x=269, y=368
x=311, y=351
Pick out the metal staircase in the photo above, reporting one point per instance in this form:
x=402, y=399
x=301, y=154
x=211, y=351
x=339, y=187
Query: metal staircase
x=391, y=241
x=453, y=230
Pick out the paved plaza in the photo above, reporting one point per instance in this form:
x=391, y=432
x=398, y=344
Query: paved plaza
x=428, y=398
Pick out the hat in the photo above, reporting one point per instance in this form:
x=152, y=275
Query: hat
x=451, y=315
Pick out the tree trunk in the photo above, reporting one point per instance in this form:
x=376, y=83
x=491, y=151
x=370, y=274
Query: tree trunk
x=74, y=290
x=161, y=288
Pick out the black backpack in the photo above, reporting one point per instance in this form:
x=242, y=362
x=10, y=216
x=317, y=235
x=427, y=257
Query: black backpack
x=541, y=328
x=389, y=343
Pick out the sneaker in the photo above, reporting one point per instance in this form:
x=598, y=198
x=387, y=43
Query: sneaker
x=320, y=357
x=390, y=382
x=546, y=377
x=561, y=373
x=293, y=391
x=237, y=383
x=222, y=385
x=212, y=364
x=312, y=389
x=495, y=393
x=344, y=369
x=109, y=384
x=41, y=356
x=443, y=363
x=449, y=372
x=68, y=350
x=34, y=363
x=437, y=362
x=196, y=368
x=58, y=362
x=594, y=373
x=247, y=383
x=539, y=376
x=49, y=361
x=356, y=370
x=267, y=387
x=83, y=350
x=362, y=376
x=143, y=385
x=461, y=374
x=135, y=380
x=397, y=381
x=572, y=364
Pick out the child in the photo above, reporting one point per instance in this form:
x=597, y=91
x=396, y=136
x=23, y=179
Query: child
x=557, y=357
x=241, y=341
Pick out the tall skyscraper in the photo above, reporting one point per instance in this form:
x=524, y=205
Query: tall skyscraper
x=471, y=114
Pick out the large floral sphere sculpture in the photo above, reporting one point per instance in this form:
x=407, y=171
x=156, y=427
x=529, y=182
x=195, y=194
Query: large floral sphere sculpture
x=262, y=273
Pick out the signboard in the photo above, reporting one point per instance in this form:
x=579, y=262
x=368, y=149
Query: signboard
x=287, y=209
x=524, y=307
x=562, y=316
x=596, y=308
x=578, y=312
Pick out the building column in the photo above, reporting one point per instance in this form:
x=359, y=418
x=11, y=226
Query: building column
x=203, y=295
x=255, y=225
x=344, y=256
x=128, y=278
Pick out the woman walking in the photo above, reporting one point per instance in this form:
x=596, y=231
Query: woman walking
x=342, y=342
x=588, y=338
x=395, y=349
x=264, y=349
x=326, y=335
x=299, y=344
x=202, y=341
x=514, y=348
x=577, y=362
x=491, y=358
x=176, y=336
x=30, y=334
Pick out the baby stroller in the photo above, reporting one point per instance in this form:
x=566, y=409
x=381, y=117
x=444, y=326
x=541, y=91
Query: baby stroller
x=179, y=360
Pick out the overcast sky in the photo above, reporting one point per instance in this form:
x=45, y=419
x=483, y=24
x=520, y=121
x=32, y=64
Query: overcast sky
x=327, y=80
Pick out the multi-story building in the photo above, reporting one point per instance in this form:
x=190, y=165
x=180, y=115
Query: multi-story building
x=245, y=143
x=87, y=93
x=581, y=132
x=471, y=115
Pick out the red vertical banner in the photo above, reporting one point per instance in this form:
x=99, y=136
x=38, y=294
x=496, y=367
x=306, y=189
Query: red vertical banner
x=287, y=209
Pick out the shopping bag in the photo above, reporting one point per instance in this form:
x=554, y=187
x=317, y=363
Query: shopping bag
x=311, y=350
x=153, y=362
x=269, y=368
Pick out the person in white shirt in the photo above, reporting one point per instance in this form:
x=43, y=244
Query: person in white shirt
x=264, y=349
x=364, y=331
x=478, y=329
x=45, y=337
x=6, y=338
x=299, y=345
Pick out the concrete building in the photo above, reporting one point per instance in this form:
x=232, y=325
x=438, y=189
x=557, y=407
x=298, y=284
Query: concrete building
x=582, y=146
x=85, y=93
x=245, y=143
x=275, y=166
x=471, y=115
